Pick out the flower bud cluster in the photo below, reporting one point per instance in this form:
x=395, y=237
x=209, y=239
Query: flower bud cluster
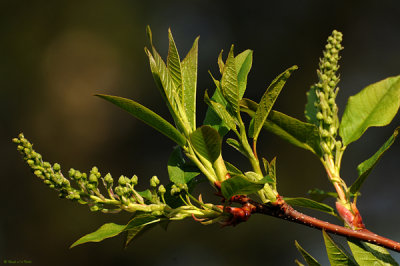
x=50, y=174
x=177, y=189
x=122, y=196
x=326, y=91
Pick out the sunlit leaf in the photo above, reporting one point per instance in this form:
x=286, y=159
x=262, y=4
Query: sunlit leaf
x=229, y=83
x=147, y=116
x=376, y=105
x=189, y=76
x=365, y=168
x=307, y=257
x=178, y=170
x=169, y=92
x=232, y=170
x=221, y=111
x=336, y=255
x=320, y=195
x=311, y=110
x=243, y=62
x=311, y=204
x=239, y=185
x=268, y=100
x=146, y=194
x=111, y=229
x=207, y=142
x=236, y=145
x=296, y=132
x=174, y=65
x=369, y=254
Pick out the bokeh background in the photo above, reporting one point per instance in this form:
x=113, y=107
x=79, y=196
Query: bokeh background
x=56, y=54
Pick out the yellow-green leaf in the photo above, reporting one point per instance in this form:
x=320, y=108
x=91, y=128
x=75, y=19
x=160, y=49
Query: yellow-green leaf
x=374, y=106
x=147, y=116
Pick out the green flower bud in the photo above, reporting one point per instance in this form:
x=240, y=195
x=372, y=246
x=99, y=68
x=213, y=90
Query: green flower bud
x=16, y=141
x=30, y=162
x=328, y=120
x=154, y=181
x=320, y=116
x=78, y=175
x=325, y=133
x=94, y=208
x=56, y=167
x=93, y=178
x=161, y=189
x=84, y=176
x=20, y=148
x=134, y=180
x=71, y=173
x=122, y=180
x=38, y=173
x=118, y=190
x=108, y=179
x=91, y=186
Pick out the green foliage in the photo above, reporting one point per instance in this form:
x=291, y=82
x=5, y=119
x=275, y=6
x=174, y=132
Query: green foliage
x=365, y=168
x=296, y=132
x=147, y=116
x=111, y=229
x=179, y=171
x=240, y=185
x=369, y=254
x=311, y=204
x=336, y=255
x=267, y=101
x=374, y=106
x=207, y=143
x=199, y=152
x=307, y=257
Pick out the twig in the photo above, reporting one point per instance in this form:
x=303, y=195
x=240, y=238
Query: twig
x=282, y=210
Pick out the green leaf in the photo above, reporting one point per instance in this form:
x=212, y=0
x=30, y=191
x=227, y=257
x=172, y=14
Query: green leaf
x=243, y=62
x=137, y=231
x=270, y=169
x=239, y=185
x=221, y=111
x=166, y=85
x=236, y=145
x=320, y=195
x=221, y=63
x=369, y=254
x=111, y=229
x=174, y=65
x=296, y=132
x=307, y=257
x=146, y=194
x=212, y=118
x=207, y=143
x=189, y=76
x=298, y=262
x=147, y=116
x=268, y=100
x=232, y=170
x=336, y=256
x=311, y=110
x=178, y=170
x=376, y=105
x=365, y=168
x=311, y=204
x=229, y=83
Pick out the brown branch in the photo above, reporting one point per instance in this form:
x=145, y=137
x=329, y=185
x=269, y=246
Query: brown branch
x=282, y=210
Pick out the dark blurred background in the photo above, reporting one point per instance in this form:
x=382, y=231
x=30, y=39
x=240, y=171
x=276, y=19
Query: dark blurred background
x=56, y=54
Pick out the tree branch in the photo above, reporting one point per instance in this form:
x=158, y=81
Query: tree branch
x=282, y=210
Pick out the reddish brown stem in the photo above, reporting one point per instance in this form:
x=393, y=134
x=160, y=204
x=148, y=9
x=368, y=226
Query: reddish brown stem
x=282, y=210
